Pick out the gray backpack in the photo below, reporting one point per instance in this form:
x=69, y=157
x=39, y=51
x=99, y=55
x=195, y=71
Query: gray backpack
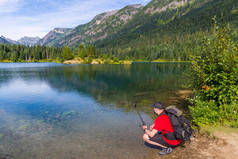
x=182, y=127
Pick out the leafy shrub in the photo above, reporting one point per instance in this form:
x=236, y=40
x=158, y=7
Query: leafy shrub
x=215, y=77
x=89, y=60
x=215, y=69
x=208, y=113
x=115, y=59
x=229, y=114
x=204, y=113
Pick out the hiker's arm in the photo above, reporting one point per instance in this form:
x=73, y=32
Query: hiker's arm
x=148, y=132
x=152, y=126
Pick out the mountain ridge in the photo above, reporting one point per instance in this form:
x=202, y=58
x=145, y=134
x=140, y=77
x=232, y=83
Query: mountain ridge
x=115, y=21
x=53, y=35
x=104, y=25
x=29, y=41
x=121, y=28
x=10, y=41
x=99, y=27
x=3, y=40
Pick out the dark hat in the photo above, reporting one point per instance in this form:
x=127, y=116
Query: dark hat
x=158, y=105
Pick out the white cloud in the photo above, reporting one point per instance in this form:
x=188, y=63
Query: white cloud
x=8, y=6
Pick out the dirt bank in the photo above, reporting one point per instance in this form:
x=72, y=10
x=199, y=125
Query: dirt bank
x=220, y=146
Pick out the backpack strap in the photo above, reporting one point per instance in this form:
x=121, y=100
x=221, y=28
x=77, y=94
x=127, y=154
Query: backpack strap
x=167, y=134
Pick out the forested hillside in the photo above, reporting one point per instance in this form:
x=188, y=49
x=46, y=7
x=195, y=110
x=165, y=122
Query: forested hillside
x=172, y=33
x=161, y=30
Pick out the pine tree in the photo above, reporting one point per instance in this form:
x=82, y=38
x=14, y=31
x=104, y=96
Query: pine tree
x=67, y=55
x=81, y=51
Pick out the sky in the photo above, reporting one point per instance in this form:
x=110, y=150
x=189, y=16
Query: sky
x=19, y=18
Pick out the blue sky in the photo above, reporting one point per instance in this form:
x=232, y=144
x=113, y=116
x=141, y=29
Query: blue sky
x=20, y=18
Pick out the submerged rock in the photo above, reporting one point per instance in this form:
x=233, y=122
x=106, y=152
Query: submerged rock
x=69, y=113
x=141, y=94
x=5, y=156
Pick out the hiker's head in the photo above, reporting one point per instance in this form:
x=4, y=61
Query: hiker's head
x=158, y=108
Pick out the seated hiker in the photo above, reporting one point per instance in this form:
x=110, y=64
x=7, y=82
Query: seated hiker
x=160, y=131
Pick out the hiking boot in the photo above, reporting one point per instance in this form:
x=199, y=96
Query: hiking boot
x=166, y=151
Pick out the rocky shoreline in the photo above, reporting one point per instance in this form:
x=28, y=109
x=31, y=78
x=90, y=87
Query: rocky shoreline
x=96, y=61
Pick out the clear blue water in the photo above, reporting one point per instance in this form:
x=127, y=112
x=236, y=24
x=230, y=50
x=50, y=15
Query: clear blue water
x=55, y=111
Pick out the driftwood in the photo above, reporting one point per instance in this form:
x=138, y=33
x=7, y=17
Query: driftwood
x=141, y=94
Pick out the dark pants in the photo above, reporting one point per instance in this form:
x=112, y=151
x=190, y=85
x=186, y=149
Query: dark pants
x=158, y=138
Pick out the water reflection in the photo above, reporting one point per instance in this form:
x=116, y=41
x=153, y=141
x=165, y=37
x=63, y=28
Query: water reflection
x=80, y=111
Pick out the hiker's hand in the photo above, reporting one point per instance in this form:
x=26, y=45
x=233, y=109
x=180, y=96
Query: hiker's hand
x=144, y=127
x=152, y=126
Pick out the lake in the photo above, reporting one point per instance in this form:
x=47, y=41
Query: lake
x=55, y=111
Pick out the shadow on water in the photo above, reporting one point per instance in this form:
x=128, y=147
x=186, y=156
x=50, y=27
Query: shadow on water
x=66, y=111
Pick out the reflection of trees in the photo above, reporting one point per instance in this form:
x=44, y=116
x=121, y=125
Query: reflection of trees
x=117, y=84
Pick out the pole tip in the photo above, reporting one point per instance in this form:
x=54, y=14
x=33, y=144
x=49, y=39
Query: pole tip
x=134, y=105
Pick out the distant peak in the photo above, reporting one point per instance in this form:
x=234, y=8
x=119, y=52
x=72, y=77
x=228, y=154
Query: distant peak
x=135, y=6
x=109, y=13
x=61, y=30
x=104, y=15
x=30, y=37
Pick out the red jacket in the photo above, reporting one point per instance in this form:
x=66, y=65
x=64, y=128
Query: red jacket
x=162, y=123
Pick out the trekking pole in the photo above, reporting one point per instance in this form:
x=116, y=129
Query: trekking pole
x=143, y=122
